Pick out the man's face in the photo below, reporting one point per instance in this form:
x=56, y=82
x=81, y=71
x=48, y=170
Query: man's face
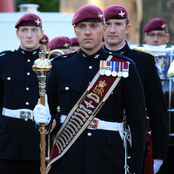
x=75, y=48
x=156, y=37
x=90, y=35
x=29, y=37
x=43, y=47
x=116, y=31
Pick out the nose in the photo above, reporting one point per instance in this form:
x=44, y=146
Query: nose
x=87, y=31
x=29, y=33
x=155, y=37
x=112, y=29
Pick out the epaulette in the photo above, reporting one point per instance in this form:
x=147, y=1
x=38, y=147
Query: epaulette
x=62, y=56
x=143, y=51
x=6, y=52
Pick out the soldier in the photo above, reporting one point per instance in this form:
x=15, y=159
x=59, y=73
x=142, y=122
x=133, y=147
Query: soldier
x=44, y=43
x=156, y=32
x=61, y=43
x=100, y=147
x=75, y=44
x=117, y=20
x=19, y=93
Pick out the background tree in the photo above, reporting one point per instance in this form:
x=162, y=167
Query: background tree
x=44, y=5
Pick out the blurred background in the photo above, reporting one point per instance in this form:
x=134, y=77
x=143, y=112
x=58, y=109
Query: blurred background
x=57, y=16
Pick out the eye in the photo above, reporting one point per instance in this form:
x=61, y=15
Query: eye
x=34, y=30
x=118, y=24
x=108, y=24
x=94, y=26
x=24, y=30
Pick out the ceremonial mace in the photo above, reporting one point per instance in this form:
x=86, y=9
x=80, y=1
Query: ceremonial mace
x=41, y=66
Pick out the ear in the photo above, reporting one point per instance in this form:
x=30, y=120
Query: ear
x=17, y=33
x=104, y=29
x=145, y=35
x=42, y=32
x=128, y=28
x=168, y=37
x=75, y=30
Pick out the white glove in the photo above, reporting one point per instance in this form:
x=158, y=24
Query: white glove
x=156, y=165
x=42, y=113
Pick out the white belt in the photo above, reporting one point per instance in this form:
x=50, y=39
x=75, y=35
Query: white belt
x=18, y=113
x=100, y=124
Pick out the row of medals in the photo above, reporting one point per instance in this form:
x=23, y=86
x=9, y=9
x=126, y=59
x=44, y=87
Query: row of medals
x=114, y=68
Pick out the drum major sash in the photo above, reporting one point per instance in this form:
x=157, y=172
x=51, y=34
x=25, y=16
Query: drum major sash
x=86, y=109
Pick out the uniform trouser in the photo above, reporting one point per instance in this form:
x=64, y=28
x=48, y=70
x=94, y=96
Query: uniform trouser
x=19, y=167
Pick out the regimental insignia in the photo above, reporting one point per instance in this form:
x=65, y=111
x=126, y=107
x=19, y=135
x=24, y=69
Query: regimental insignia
x=44, y=40
x=100, y=15
x=121, y=13
x=114, y=68
x=163, y=26
x=66, y=45
x=37, y=21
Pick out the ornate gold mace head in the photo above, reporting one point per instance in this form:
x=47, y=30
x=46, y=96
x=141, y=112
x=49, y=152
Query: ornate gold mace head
x=41, y=66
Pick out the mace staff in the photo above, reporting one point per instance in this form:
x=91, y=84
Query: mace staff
x=41, y=66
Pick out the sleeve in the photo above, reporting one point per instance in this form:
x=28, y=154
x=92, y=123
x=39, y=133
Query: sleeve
x=135, y=111
x=52, y=92
x=1, y=94
x=156, y=111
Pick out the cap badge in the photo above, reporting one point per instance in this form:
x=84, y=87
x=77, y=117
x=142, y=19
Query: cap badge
x=121, y=13
x=37, y=21
x=163, y=26
x=44, y=40
x=66, y=44
x=100, y=15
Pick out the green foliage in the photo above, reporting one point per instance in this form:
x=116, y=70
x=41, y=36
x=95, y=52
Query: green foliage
x=44, y=5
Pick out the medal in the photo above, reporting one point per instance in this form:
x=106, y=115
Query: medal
x=102, y=70
x=114, y=68
x=119, y=70
x=108, y=68
x=125, y=69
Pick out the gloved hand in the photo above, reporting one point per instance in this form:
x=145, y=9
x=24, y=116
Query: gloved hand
x=42, y=113
x=157, y=164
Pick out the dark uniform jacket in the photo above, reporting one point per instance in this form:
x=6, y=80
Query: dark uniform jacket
x=155, y=101
x=18, y=89
x=97, y=151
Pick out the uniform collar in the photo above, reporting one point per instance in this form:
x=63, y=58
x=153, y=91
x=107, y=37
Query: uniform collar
x=121, y=50
x=94, y=56
x=29, y=53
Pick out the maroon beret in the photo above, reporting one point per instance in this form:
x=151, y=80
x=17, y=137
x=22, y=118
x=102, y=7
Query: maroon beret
x=44, y=39
x=29, y=19
x=156, y=24
x=89, y=13
x=74, y=41
x=59, y=42
x=115, y=12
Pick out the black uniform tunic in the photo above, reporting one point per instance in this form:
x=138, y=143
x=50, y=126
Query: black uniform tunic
x=97, y=151
x=154, y=97
x=19, y=139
